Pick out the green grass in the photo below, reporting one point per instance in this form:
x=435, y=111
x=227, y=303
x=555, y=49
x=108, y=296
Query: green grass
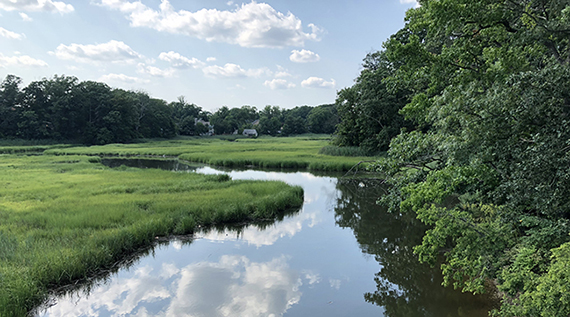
x=65, y=218
x=266, y=152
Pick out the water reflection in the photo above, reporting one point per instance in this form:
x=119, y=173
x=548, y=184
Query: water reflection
x=404, y=287
x=319, y=192
x=340, y=255
x=232, y=286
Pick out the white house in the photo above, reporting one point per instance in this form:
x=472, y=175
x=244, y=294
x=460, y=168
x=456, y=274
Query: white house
x=250, y=132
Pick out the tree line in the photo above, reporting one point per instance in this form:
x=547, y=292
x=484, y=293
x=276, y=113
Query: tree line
x=471, y=99
x=89, y=112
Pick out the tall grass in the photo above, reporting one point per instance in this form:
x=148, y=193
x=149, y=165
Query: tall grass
x=64, y=218
x=343, y=151
x=265, y=152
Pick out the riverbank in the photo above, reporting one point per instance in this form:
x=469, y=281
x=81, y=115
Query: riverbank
x=64, y=218
x=265, y=152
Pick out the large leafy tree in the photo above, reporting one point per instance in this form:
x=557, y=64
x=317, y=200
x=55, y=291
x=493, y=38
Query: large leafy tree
x=489, y=81
x=295, y=120
x=368, y=110
x=323, y=119
x=270, y=120
x=184, y=115
x=10, y=101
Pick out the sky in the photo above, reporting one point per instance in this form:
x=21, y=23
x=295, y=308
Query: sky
x=215, y=53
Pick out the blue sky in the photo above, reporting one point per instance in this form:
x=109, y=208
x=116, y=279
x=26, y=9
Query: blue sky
x=216, y=53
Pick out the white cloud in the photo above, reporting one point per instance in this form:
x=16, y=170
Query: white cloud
x=25, y=17
x=154, y=71
x=112, y=51
x=36, y=5
x=230, y=70
x=304, y=56
x=122, y=78
x=410, y=1
x=179, y=61
x=313, y=278
x=316, y=82
x=210, y=59
x=10, y=35
x=249, y=25
x=278, y=84
x=282, y=72
x=23, y=60
x=335, y=283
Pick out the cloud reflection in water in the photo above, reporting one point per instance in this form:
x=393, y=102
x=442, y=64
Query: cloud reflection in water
x=233, y=286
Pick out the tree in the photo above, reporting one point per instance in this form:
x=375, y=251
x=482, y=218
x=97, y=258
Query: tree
x=493, y=91
x=270, y=120
x=10, y=103
x=323, y=119
x=34, y=120
x=95, y=101
x=62, y=109
x=157, y=122
x=295, y=120
x=184, y=115
x=223, y=121
x=368, y=111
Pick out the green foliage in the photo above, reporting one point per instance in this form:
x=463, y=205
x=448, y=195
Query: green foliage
x=270, y=120
x=185, y=115
x=62, y=108
x=323, y=119
x=368, y=111
x=64, y=219
x=488, y=168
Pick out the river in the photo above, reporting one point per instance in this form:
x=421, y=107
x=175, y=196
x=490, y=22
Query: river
x=340, y=255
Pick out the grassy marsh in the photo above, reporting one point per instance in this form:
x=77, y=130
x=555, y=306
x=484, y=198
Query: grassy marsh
x=270, y=152
x=65, y=218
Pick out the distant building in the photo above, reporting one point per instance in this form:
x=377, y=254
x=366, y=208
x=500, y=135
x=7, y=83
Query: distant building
x=207, y=125
x=256, y=122
x=250, y=132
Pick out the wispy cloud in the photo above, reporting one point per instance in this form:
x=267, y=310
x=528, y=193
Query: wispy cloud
x=10, y=35
x=36, y=5
x=179, y=61
x=316, y=82
x=230, y=70
x=25, y=17
x=112, y=51
x=278, y=84
x=249, y=25
x=21, y=60
x=282, y=72
x=122, y=78
x=304, y=56
x=417, y=4
x=154, y=71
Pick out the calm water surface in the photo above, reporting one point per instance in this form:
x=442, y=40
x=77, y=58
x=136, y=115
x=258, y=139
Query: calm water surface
x=340, y=255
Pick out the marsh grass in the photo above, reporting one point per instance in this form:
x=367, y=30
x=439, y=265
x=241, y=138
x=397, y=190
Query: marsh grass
x=334, y=150
x=265, y=152
x=65, y=218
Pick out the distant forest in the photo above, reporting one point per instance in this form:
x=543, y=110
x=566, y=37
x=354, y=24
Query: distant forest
x=89, y=112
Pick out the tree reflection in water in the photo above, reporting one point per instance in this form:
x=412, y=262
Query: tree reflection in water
x=405, y=287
